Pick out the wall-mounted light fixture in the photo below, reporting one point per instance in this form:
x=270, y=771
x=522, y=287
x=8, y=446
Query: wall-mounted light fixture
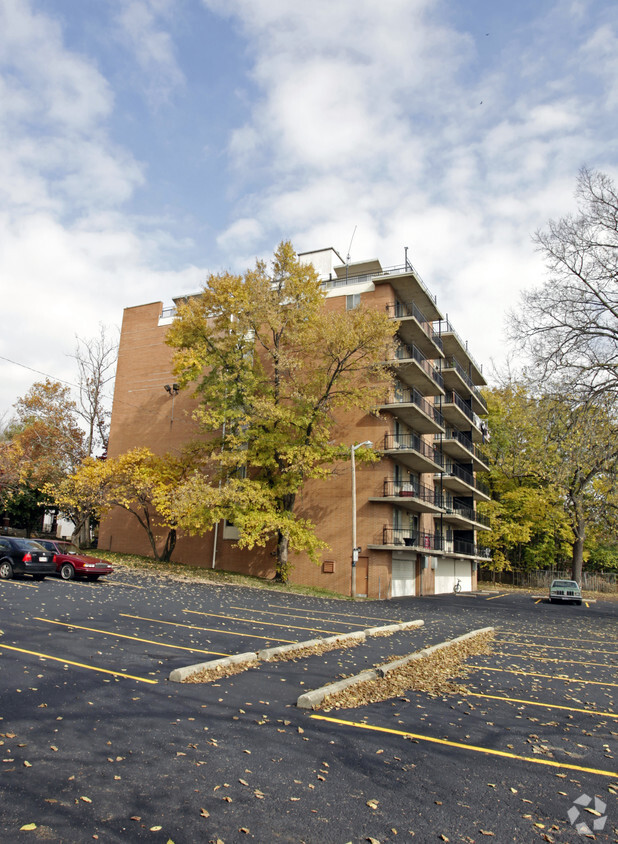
x=172, y=390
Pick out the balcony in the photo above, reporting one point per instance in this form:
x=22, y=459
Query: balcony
x=457, y=412
x=415, y=328
x=456, y=378
x=415, y=411
x=462, y=517
x=459, y=445
x=457, y=479
x=398, y=538
x=412, y=452
x=416, y=371
x=453, y=345
x=460, y=547
x=410, y=496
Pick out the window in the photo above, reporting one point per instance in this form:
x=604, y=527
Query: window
x=352, y=301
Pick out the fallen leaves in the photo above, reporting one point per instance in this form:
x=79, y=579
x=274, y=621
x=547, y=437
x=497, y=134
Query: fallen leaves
x=432, y=674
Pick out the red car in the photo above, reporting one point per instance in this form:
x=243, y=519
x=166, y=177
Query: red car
x=71, y=563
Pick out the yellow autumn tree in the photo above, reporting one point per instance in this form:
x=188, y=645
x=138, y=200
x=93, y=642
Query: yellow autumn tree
x=272, y=367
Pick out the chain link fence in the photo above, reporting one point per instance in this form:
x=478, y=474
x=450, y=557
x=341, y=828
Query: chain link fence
x=593, y=581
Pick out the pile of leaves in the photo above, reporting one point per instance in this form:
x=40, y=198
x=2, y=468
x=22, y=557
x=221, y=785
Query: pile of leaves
x=434, y=674
x=209, y=675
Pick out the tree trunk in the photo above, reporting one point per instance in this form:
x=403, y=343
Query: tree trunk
x=170, y=544
x=283, y=566
x=578, y=549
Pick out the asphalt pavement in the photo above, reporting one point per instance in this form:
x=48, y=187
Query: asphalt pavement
x=97, y=744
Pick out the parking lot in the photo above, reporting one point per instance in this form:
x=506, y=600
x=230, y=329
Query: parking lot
x=98, y=744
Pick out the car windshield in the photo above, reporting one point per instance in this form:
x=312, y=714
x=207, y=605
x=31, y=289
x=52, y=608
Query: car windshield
x=565, y=583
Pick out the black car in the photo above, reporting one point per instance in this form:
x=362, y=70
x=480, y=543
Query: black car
x=24, y=556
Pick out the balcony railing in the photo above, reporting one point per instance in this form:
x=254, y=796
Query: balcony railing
x=452, y=506
x=411, y=538
x=403, y=351
x=452, y=363
x=460, y=546
x=407, y=489
x=456, y=399
x=414, y=397
x=464, y=475
x=445, y=327
x=414, y=443
x=464, y=440
x=398, y=310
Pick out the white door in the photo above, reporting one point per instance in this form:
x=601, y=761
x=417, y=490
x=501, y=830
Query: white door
x=403, y=581
x=445, y=576
x=463, y=571
x=449, y=572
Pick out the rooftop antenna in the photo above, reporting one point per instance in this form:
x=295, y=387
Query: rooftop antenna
x=347, y=260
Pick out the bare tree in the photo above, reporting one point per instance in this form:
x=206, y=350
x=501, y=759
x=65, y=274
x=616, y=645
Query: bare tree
x=569, y=325
x=96, y=367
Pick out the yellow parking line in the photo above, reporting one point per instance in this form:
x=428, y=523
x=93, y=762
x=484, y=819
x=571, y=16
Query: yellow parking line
x=539, y=601
x=557, y=647
x=210, y=629
x=18, y=583
x=266, y=623
x=493, y=598
x=293, y=615
x=561, y=638
x=546, y=705
x=80, y=665
x=547, y=676
x=544, y=658
x=551, y=763
x=124, y=636
x=348, y=615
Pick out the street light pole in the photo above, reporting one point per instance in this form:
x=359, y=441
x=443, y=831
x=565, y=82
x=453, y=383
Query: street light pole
x=355, y=550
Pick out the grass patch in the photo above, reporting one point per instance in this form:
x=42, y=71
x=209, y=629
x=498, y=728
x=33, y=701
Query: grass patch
x=192, y=574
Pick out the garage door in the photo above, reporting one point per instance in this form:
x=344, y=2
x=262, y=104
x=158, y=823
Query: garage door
x=449, y=572
x=403, y=578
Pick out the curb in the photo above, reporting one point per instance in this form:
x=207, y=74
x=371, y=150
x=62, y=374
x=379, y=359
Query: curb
x=385, y=669
x=393, y=628
x=179, y=675
x=310, y=700
x=270, y=653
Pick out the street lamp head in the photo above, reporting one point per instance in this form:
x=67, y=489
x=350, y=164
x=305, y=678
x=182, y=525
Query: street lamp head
x=368, y=443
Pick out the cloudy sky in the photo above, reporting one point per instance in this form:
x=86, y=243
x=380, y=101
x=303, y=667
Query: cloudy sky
x=145, y=143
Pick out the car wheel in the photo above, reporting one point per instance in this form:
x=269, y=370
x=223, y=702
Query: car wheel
x=6, y=570
x=92, y=577
x=67, y=572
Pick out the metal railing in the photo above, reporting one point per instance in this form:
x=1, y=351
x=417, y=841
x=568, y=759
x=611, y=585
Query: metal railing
x=451, y=505
x=444, y=326
x=399, y=310
x=454, y=398
x=452, y=363
x=414, y=443
x=460, y=546
x=403, y=351
x=464, y=475
x=408, y=489
x=411, y=538
x=464, y=440
x=414, y=397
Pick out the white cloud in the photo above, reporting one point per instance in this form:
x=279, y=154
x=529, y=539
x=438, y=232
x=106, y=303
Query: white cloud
x=140, y=28
x=69, y=257
x=382, y=116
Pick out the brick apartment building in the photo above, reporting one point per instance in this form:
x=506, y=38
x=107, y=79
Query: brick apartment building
x=416, y=519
